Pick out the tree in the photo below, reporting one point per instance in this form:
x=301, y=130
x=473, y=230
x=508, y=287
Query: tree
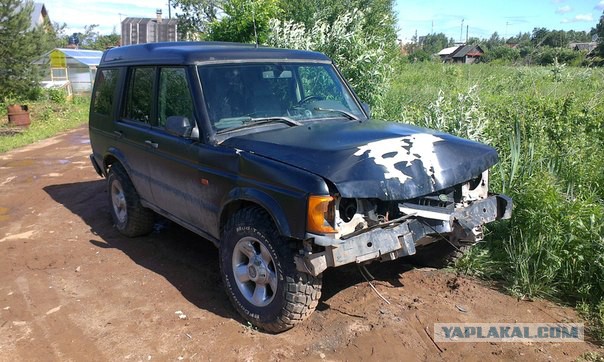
x=494, y=41
x=363, y=58
x=244, y=21
x=380, y=19
x=19, y=46
x=434, y=43
x=599, y=31
x=196, y=15
x=104, y=42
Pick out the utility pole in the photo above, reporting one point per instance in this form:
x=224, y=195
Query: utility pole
x=461, y=31
x=506, y=30
x=432, y=32
x=467, y=29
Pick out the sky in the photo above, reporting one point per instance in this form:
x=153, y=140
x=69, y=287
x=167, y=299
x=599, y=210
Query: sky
x=480, y=17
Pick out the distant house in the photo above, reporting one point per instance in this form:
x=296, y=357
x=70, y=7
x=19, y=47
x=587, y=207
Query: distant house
x=466, y=54
x=39, y=16
x=149, y=30
x=586, y=47
x=73, y=69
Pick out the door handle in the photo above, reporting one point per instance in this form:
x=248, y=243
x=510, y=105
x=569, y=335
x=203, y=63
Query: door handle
x=151, y=143
x=120, y=134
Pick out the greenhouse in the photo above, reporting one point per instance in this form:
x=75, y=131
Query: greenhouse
x=73, y=69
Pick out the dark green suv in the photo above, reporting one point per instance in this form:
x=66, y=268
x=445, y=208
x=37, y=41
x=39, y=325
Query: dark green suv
x=269, y=154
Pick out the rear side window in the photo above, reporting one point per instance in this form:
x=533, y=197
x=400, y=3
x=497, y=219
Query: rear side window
x=174, y=95
x=139, y=95
x=104, y=90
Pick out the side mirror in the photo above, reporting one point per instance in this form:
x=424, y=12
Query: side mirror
x=366, y=108
x=179, y=126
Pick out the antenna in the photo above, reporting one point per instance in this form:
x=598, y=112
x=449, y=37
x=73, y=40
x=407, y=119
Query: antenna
x=467, y=30
x=506, y=29
x=254, y=21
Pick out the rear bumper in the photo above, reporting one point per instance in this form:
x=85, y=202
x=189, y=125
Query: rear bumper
x=399, y=239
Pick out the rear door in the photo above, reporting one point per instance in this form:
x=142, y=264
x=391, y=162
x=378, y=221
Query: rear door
x=133, y=126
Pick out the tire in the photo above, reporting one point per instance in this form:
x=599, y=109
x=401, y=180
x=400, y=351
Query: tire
x=129, y=216
x=439, y=254
x=260, y=276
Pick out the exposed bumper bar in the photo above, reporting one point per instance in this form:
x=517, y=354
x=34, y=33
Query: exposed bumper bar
x=397, y=240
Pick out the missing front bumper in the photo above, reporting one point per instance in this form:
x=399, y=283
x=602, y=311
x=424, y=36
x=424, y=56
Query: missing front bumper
x=397, y=240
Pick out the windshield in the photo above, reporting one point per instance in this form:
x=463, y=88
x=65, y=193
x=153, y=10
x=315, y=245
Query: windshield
x=236, y=93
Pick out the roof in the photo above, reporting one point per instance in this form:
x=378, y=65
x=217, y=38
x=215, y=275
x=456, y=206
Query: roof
x=130, y=20
x=73, y=56
x=460, y=51
x=472, y=50
x=448, y=51
x=180, y=53
x=584, y=46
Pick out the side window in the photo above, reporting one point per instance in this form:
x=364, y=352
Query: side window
x=139, y=95
x=174, y=95
x=104, y=90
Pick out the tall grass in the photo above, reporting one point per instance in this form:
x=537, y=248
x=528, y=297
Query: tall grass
x=548, y=126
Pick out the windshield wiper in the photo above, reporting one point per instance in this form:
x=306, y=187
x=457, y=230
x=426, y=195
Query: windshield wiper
x=251, y=122
x=344, y=113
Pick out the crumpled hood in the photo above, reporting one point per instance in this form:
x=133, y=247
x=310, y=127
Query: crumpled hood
x=373, y=159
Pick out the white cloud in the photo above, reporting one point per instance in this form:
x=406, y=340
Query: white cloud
x=600, y=5
x=579, y=18
x=564, y=9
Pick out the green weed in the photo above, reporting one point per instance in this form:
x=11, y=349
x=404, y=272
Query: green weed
x=547, y=125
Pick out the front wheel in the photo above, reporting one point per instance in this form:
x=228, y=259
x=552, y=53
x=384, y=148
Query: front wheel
x=260, y=276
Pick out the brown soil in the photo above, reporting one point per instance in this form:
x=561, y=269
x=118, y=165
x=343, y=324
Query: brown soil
x=73, y=289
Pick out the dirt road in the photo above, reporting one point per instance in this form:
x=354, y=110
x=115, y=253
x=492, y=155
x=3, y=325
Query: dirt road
x=73, y=289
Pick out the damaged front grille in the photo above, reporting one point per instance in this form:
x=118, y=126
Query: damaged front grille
x=354, y=215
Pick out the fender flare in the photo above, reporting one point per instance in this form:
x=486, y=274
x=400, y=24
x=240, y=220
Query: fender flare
x=251, y=195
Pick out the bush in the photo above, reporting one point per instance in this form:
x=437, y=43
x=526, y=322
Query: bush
x=57, y=95
x=364, y=59
x=501, y=54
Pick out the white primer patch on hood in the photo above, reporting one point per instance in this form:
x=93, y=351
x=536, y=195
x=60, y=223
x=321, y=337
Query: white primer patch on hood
x=391, y=151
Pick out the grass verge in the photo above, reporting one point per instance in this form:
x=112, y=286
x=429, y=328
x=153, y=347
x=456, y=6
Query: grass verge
x=48, y=118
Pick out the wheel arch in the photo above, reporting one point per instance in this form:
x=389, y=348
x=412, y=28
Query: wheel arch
x=114, y=156
x=245, y=197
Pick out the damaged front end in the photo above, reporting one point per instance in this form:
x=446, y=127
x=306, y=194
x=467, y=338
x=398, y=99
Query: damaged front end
x=358, y=230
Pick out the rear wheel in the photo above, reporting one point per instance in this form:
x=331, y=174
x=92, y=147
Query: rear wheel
x=260, y=276
x=129, y=216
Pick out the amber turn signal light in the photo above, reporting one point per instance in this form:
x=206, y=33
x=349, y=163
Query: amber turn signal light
x=320, y=215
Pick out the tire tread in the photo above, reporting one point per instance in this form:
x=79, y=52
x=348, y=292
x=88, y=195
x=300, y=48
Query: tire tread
x=302, y=293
